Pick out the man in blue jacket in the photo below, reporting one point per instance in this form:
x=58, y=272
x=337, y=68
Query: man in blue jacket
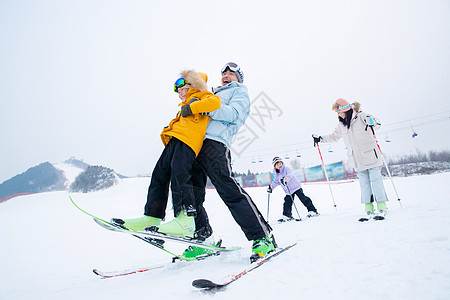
x=214, y=160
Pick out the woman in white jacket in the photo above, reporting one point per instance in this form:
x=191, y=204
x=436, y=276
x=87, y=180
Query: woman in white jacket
x=355, y=128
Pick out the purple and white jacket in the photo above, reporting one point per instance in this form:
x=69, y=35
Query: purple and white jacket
x=293, y=184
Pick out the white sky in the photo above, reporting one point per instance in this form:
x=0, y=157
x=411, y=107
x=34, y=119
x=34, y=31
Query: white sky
x=94, y=79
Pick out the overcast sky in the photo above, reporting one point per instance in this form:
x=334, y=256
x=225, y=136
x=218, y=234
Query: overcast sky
x=94, y=79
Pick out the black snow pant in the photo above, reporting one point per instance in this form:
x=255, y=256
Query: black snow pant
x=214, y=161
x=174, y=167
x=287, y=205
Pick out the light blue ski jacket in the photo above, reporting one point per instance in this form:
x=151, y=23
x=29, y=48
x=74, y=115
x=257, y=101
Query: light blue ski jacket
x=226, y=121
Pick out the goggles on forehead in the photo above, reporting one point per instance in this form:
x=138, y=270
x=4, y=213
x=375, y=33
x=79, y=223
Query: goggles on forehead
x=179, y=84
x=232, y=66
x=336, y=107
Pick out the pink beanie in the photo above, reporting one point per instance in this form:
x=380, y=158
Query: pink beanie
x=341, y=105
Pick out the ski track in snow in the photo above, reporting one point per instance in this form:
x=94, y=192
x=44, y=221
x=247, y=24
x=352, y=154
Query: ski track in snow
x=49, y=248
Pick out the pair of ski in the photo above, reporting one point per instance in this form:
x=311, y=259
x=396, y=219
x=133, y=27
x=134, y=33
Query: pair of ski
x=158, y=240
x=154, y=238
x=288, y=220
x=203, y=284
x=285, y=220
x=370, y=217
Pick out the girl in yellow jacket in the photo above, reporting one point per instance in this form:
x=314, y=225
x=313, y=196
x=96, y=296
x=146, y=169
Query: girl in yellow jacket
x=183, y=139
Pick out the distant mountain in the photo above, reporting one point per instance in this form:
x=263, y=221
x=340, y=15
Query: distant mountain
x=77, y=163
x=419, y=168
x=41, y=178
x=72, y=173
x=93, y=179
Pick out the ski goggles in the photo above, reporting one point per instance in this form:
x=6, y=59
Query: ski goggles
x=336, y=107
x=179, y=84
x=232, y=66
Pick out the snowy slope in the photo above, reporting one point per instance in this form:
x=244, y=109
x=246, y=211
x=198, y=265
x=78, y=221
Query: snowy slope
x=49, y=248
x=70, y=172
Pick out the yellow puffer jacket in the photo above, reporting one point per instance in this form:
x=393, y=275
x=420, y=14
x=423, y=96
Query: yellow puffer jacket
x=191, y=129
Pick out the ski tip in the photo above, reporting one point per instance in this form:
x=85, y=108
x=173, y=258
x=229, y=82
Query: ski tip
x=205, y=284
x=97, y=272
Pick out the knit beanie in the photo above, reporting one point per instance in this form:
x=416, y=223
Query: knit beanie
x=275, y=160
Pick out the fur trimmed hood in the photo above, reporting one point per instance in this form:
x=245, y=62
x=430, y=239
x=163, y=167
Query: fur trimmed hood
x=356, y=106
x=196, y=80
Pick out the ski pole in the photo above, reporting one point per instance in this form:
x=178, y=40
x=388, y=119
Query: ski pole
x=385, y=164
x=326, y=176
x=268, y=204
x=292, y=198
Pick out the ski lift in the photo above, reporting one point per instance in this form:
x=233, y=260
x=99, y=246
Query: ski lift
x=298, y=154
x=330, y=149
x=287, y=156
x=260, y=160
x=387, y=139
x=253, y=161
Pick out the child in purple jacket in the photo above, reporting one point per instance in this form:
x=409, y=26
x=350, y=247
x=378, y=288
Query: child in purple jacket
x=291, y=186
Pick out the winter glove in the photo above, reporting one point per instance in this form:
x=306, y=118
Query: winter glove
x=372, y=123
x=285, y=180
x=317, y=139
x=186, y=110
x=269, y=189
x=369, y=121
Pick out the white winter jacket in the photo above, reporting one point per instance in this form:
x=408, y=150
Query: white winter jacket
x=362, y=148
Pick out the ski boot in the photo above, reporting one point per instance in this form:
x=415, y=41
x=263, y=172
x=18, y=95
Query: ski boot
x=312, y=214
x=205, y=235
x=201, y=253
x=285, y=218
x=182, y=225
x=262, y=247
x=136, y=224
x=369, y=212
x=190, y=211
x=382, y=209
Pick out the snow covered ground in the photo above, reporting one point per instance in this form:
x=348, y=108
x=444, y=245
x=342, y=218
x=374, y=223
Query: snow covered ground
x=70, y=172
x=49, y=248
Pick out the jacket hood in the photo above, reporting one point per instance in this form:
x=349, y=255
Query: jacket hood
x=356, y=106
x=196, y=80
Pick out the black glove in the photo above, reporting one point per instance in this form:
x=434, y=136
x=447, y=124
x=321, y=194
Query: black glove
x=269, y=189
x=186, y=110
x=317, y=139
x=283, y=181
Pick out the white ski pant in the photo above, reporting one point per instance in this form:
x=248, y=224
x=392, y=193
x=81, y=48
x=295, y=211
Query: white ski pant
x=371, y=183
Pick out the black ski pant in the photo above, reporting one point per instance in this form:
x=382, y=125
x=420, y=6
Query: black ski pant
x=287, y=205
x=214, y=161
x=173, y=167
